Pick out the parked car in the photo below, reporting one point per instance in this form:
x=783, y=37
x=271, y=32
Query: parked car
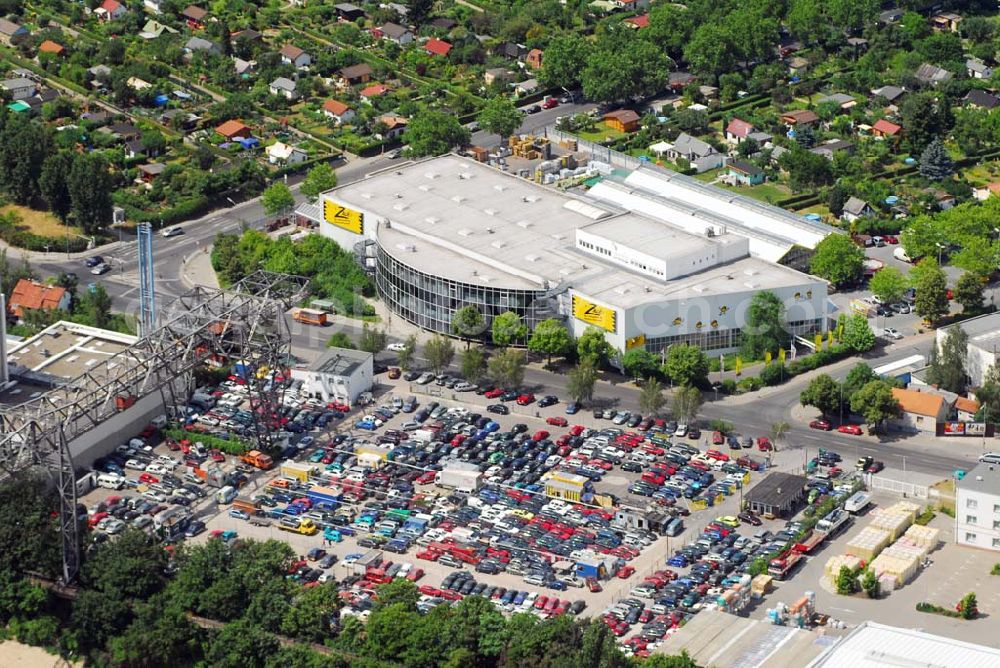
x=821, y=424
x=850, y=429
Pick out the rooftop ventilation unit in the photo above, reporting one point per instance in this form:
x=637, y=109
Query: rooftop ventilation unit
x=457, y=199
x=431, y=175
x=400, y=207
x=424, y=188
x=750, y=271
x=490, y=212
x=524, y=224
x=465, y=232
x=500, y=187
x=531, y=258
x=398, y=195
x=465, y=176
x=530, y=198
x=753, y=285
x=431, y=220
x=498, y=243
x=409, y=248
x=490, y=230
x=558, y=236
x=622, y=290
x=699, y=288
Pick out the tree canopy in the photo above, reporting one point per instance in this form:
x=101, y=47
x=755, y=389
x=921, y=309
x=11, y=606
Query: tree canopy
x=764, y=330
x=837, y=259
x=432, y=132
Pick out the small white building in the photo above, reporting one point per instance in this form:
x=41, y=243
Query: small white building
x=280, y=153
x=339, y=374
x=977, y=508
x=283, y=87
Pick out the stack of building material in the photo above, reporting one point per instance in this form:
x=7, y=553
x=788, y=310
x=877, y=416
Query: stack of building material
x=896, y=566
x=868, y=543
x=895, y=522
x=837, y=561
x=923, y=536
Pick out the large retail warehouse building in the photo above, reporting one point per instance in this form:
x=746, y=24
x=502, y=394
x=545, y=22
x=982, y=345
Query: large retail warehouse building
x=652, y=258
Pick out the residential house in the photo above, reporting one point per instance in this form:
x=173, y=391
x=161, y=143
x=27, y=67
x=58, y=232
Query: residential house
x=283, y=87
x=745, y=173
x=96, y=119
x=338, y=112
x=761, y=138
x=526, y=87
x=33, y=296
x=52, y=48
x=233, y=129
x=534, y=59
x=153, y=29
x=134, y=149
x=497, y=74
x=830, y=148
x=944, y=200
x=891, y=94
x=437, y=47
x=932, y=75
x=11, y=33
x=356, y=74
x=843, y=101
x=966, y=409
x=181, y=119
x=799, y=118
x=982, y=99
x=921, y=410
x=148, y=173
x=886, y=129
x=443, y=23
x=395, y=126
x=154, y=6
x=195, y=17
x=373, y=91
x=637, y=22
x=348, y=12
x=293, y=55
x=797, y=66
x=856, y=208
x=509, y=50
x=18, y=89
x=737, y=131
x=978, y=69
x=701, y=155
x=631, y=5
x=199, y=44
x=110, y=10
x=137, y=84
x=983, y=193
x=123, y=131
x=395, y=33
x=622, y=120
x=946, y=22
x=678, y=80
x=244, y=67
x=280, y=153
x=858, y=45
x=250, y=36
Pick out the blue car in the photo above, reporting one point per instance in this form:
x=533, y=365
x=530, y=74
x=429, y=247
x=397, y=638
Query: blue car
x=678, y=560
x=365, y=424
x=572, y=408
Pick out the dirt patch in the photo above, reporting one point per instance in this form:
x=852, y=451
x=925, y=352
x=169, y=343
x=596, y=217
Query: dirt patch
x=15, y=655
x=41, y=223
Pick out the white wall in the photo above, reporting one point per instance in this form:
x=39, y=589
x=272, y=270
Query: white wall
x=984, y=515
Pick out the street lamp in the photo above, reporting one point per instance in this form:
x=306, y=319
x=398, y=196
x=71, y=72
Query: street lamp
x=940, y=247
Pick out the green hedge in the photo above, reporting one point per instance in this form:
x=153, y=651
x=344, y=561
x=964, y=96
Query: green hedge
x=12, y=232
x=231, y=446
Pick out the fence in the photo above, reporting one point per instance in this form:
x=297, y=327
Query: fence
x=905, y=489
x=605, y=153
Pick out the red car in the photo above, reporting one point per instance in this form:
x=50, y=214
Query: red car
x=173, y=445
x=718, y=438
x=540, y=435
x=550, y=103
x=557, y=421
x=875, y=467
x=216, y=455
x=764, y=444
x=429, y=555
x=415, y=574
x=426, y=478
x=820, y=424
x=525, y=399
x=890, y=238
x=148, y=478
x=849, y=429
x=626, y=572
x=717, y=456
x=495, y=393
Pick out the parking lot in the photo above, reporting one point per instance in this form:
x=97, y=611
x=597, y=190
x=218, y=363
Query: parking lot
x=382, y=465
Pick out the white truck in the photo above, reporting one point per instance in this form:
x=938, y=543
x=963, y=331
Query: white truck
x=857, y=502
x=835, y=522
x=460, y=476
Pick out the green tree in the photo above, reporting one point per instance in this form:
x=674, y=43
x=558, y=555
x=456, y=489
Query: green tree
x=935, y=163
x=581, y=381
x=500, y=116
x=507, y=367
x=468, y=323
x=968, y=608
x=977, y=255
x=277, y=199
x=398, y=592
x=319, y=179
x=418, y=11
x=439, y=353
x=778, y=431
x=682, y=660
x=53, y=183
x=947, y=365
x=765, y=326
x=875, y=403
x=930, y=283
x=404, y=357
x=95, y=307
x=550, y=338
x=640, y=363
x=622, y=67
x=822, y=393
x=90, y=188
x=240, y=644
x=340, y=340
x=847, y=581
x=670, y=27
x=888, y=284
x=806, y=170
x=508, y=328
x=860, y=375
x=651, y=398
x=969, y=292
x=869, y=583
x=592, y=346
x=686, y=365
x=153, y=142
x=372, y=340
x=988, y=395
x=710, y=50
x=24, y=146
x=432, y=132
x=858, y=335
x=686, y=402
x=566, y=56
x=473, y=364
x=837, y=259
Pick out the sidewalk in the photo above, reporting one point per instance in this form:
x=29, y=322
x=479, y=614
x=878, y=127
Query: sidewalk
x=196, y=269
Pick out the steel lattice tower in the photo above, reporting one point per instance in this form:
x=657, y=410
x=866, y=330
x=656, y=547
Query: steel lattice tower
x=147, y=292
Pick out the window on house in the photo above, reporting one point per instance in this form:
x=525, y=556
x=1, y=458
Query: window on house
x=970, y=519
x=970, y=537
x=996, y=543
x=971, y=503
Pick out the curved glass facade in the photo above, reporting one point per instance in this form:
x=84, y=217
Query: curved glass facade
x=430, y=301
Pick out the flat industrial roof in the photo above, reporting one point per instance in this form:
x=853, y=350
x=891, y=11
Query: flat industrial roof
x=64, y=350
x=722, y=640
x=461, y=220
x=983, y=479
x=340, y=361
x=777, y=489
x=873, y=645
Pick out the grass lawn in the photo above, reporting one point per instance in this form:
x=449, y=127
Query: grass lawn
x=710, y=175
x=984, y=173
x=601, y=133
x=42, y=223
x=820, y=209
x=766, y=192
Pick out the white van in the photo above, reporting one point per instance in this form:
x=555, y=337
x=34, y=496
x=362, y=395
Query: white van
x=225, y=495
x=110, y=481
x=990, y=458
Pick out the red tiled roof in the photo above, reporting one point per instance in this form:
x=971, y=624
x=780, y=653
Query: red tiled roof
x=966, y=405
x=111, y=6
x=639, y=21
x=335, y=107
x=919, y=403
x=374, y=90
x=291, y=51
x=800, y=116
x=48, y=46
x=231, y=128
x=623, y=116
x=437, y=47
x=739, y=128
x=30, y=295
x=886, y=127
x=194, y=12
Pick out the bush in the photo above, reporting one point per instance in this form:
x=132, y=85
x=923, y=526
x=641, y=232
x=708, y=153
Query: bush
x=230, y=446
x=967, y=607
x=720, y=426
x=774, y=374
x=924, y=518
x=729, y=386
x=847, y=580
x=950, y=512
x=995, y=570
x=751, y=384
x=12, y=232
x=936, y=610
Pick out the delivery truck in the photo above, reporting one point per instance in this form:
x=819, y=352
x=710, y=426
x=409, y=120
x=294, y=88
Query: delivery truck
x=257, y=459
x=857, y=502
x=309, y=316
x=324, y=495
x=297, y=471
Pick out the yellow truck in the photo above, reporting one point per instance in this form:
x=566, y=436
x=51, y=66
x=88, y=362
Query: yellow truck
x=302, y=525
x=300, y=472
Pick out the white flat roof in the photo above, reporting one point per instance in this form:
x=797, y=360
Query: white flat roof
x=873, y=645
x=458, y=219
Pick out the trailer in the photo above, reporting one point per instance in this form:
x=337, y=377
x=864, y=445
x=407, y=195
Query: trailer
x=369, y=559
x=300, y=472
x=857, y=502
x=781, y=567
x=309, y=316
x=460, y=476
x=811, y=542
x=325, y=495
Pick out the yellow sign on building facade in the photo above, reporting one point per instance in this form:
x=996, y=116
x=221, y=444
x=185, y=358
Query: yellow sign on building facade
x=592, y=314
x=341, y=216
